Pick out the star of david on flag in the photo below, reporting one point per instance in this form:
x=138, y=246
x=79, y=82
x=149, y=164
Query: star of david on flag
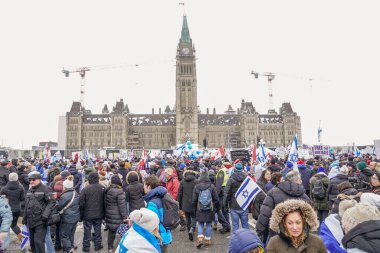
x=293, y=153
x=261, y=156
x=247, y=192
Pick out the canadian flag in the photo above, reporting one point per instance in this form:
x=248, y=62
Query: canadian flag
x=221, y=151
x=143, y=159
x=254, y=155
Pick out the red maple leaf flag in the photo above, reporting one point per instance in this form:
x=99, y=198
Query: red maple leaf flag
x=221, y=151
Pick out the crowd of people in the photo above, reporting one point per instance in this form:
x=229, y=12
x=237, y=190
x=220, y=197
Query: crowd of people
x=314, y=205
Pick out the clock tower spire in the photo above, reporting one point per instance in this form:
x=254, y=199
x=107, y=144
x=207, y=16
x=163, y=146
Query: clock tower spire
x=186, y=88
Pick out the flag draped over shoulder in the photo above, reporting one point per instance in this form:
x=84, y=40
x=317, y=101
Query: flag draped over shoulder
x=247, y=192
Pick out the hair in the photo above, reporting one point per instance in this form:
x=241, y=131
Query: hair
x=293, y=176
x=344, y=185
x=262, y=177
x=276, y=178
x=152, y=181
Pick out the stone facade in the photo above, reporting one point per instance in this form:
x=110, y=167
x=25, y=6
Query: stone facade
x=122, y=129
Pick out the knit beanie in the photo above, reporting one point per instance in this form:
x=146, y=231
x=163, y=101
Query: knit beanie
x=343, y=170
x=145, y=218
x=65, y=174
x=321, y=169
x=115, y=179
x=361, y=165
x=238, y=166
x=289, y=164
x=68, y=183
x=359, y=214
x=370, y=199
x=13, y=176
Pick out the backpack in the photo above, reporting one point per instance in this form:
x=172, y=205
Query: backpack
x=171, y=212
x=319, y=190
x=205, y=200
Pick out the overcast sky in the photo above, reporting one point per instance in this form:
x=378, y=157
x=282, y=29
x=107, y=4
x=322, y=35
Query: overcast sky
x=334, y=42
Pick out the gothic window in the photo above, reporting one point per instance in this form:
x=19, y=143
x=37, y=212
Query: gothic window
x=190, y=69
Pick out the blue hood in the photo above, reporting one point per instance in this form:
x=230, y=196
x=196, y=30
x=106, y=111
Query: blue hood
x=159, y=191
x=243, y=240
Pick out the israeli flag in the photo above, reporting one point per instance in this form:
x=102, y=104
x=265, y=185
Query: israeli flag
x=261, y=156
x=357, y=152
x=373, y=150
x=293, y=153
x=181, y=149
x=247, y=192
x=25, y=234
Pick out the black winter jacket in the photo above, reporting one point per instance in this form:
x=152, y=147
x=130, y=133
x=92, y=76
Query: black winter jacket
x=364, y=177
x=259, y=200
x=349, y=192
x=24, y=180
x=134, y=192
x=185, y=191
x=92, y=199
x=285, y=190
x=204, y=183
x=4, y=176
x=38, y=206
x=52, y=174
x=332, y=190
x=364, y=236
x=232, y=187
x=15, y=194
x=72, y=213
x=77, y=178
x=115, y=207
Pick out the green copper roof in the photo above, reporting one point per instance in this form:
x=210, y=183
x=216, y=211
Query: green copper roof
x=185, y=34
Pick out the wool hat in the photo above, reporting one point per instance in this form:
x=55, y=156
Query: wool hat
x=115, y=179
x=361, y=165
x=238, y=166
x=289, y=164
x=68, y=183
x=244, y=240
x=321, y=169
x=343, y=170
x=182, y=166
x=145, y=218
x=13, y=176
x=359, y=214
x=370, y=199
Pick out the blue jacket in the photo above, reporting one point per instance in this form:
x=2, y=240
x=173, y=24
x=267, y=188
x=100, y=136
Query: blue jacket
x=244, y=240
x=6, y=220
x=306, y=174
x=154, y=203
x=77, y=178
x=72, y=213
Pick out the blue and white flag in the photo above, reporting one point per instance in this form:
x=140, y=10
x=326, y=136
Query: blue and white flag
x=25, y=239
x=261, y=155
x=86, y=156
x=357, y=152
x=181, y=149
x=293, y=153
x=247, y=192
x=373, y=150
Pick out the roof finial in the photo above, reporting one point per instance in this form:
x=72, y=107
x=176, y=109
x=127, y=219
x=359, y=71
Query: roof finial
x=184, y=9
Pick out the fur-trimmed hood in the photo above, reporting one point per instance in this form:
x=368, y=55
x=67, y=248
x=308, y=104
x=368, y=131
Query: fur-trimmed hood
x=132, y=176
x=289, y=206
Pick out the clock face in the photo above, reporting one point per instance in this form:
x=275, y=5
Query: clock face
x=185, y=50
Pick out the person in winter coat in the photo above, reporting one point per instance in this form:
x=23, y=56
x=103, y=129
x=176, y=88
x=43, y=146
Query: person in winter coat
x=75, y=171
x=185, y=194
x=318, y=193
x=259, y=199
x=364, y=177
x=361, y=225
x=245, y=241
x=221, y=180
x=4, y=174
x=375, y=182
x=68, y=206
x=293, y=221
x=205, y=202
x=38, y=205
x=116, y=211
x=172, y=185
x=134, y=192
x=6, y=221
x=55, y=171
x=154, y=193
x=291, y=188
x=92, y=211
x=306, y=174
x=15, y=194
x=23, y=178
x=143, y=236
x=233, y=184
x=341, y=177
x=123, y=171
x=345, y=190
x=103, y=179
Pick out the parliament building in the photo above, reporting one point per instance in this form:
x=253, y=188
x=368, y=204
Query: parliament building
x=122, y=129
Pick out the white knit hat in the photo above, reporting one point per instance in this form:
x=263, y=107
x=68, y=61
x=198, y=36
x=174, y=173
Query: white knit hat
x=359, y=214
x=13, y=176
x=343, y=170
x=145, y=218
x=68, y=183
x=370, y=199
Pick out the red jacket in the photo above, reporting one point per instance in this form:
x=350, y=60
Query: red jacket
x=172, y=185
